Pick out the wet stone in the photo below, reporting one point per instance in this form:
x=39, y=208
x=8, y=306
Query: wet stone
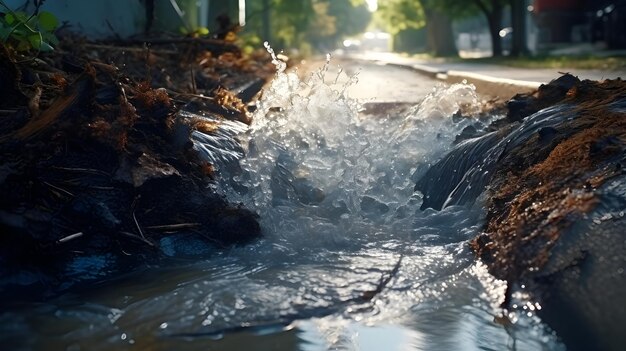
x=546, y=134
x=372, y=207
x=146, y=167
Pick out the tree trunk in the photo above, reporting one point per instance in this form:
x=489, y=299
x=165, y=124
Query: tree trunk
x=494, y=31
x=518, y=19
x=267, y=28
x=439, y=34
x=493, y=14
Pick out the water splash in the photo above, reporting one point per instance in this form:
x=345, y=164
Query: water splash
x=219, y=146
x=320, y=174
x=281, y=66
x=335, y=196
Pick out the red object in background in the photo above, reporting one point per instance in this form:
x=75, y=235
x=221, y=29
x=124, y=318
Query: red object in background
x=558, y=5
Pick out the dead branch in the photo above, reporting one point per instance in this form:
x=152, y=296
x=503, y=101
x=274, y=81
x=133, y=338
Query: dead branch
x=82, y=170
x=70, y=237
x=135, y=218
x=134, y=236
x=59, y=189
x=33, y=103
x=384, y=280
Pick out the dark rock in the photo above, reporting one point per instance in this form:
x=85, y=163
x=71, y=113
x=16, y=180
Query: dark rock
x=248, y=90
x=93, y=212
x=184, y=245
x=468, y=132
x=524, y=105
x=519, y=107
x=373, y=208
x=565, y=82
x=306, y=192
x=237, y=225
x=142, y=169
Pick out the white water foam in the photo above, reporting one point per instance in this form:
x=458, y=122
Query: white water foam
x=316, y=172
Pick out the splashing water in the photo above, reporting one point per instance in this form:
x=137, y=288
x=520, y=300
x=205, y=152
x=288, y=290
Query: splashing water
x=313, y=164
x=334, y=192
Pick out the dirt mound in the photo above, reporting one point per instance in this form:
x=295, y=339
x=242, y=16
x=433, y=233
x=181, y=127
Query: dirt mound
x=554, y=207
x=97, y=166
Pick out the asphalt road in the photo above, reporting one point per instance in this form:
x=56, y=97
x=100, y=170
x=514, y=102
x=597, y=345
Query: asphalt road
x=377, y=83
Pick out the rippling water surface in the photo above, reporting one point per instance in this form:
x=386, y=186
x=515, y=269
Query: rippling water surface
x=348, y=261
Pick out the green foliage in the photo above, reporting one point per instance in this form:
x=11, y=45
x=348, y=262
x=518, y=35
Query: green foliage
x=398, y=15
x=198, y=32
x=25, y=32
x=307, y=24
x=455, y=8
x=352, y=17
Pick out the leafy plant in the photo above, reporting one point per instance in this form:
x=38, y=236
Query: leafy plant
x=195, y=33
x=25, y=32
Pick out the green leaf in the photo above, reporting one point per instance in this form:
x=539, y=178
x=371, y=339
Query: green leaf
x=21, y=16
x=47, y=21
x=19, y=34
x=202, y=30
x=9, y=18
x=35, y=41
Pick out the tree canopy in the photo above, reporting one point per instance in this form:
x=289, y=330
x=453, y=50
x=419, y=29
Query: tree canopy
x=435, y=15
x=300, y=23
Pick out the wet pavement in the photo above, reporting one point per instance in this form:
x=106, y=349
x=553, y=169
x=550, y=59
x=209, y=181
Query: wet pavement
x=543, y=75
x=377, y=82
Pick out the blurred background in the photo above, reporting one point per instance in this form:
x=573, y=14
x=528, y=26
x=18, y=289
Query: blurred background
x=466, y=28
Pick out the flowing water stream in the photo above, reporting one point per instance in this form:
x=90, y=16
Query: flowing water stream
x=348, y=260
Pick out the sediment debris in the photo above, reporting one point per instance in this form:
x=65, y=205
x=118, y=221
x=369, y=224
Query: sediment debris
x=98, y=167
x=555, y=206
x=555, y=186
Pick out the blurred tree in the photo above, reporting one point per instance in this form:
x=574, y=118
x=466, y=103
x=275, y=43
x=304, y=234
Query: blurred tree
x=303, y=24
x=493, y=11
x=440, y=37
x=267, y=28
x=400, y=15
x=437, y=16
x=518, y=22
x=352, y=16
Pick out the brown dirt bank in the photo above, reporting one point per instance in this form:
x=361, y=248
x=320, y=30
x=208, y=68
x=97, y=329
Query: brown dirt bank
x=551, y=223
x=97, y=164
